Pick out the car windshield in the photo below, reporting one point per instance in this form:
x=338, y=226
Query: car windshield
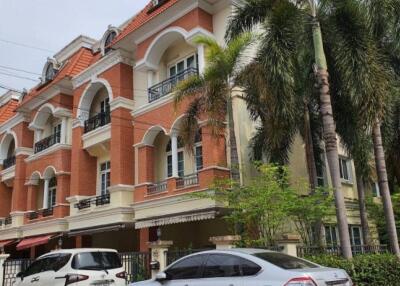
x=285, y=261
x=96, y=261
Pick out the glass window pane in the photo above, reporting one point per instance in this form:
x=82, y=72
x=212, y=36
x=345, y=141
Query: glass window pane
x=181, y=164
x=222, y=266
x=180, y=66
x=172, y=71
x=96, y=261
x=188, y=268
x=199, y=158
x=285, y=261
x=169, y=165
x=190, y=62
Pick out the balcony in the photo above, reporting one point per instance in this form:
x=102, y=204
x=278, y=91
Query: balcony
x=97, y=201
x=165, y=87
x=187, y=181
x=40, y=214
x=157, y=188
x=47, y=142
x=8, y=221
x=99, y=120
x=9, y=162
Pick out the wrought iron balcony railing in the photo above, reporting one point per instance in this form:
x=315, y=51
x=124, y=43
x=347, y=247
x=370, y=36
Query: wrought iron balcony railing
x=43, y=213
x=97, y=201
x=9, y=162
x=48, y=142
x=165, y=87
x=97, y=121
x=8, y=220
x=157, y=188
x=187, y=181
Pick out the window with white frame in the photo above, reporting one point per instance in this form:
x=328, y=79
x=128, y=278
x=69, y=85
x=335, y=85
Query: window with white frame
x=178, y=67
x=198, y=151
x=355, y=235
x=105, y=175
x=181, y=159
x=321, y=174
x=376, y=192
x=345, y=169
x=51, y=199
x=105, y=105
x=331, y=235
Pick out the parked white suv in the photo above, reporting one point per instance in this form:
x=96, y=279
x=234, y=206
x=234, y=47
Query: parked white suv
x=80, y=267
x=247, y=267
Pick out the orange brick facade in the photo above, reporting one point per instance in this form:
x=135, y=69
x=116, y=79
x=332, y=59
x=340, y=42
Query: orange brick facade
x=54, y=142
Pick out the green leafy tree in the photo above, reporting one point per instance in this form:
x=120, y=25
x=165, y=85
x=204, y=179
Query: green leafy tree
x=210, y=93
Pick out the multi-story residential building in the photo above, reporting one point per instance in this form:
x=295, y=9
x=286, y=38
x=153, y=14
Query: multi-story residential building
x=92, y=156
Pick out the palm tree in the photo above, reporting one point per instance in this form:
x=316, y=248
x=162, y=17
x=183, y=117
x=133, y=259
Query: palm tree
x=210, y=93
x=269, y=13
x=359, y=54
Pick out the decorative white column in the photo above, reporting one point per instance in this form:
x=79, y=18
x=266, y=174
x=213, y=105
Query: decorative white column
x=64, y=130
x=150, y=78
x=174, y=150
x=46, y=194
x=201, y=63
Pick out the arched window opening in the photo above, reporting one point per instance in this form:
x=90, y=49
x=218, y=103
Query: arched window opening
x=107, y=44
x=50, y=73
x=181, y=158
x=198, y=150
x=51, y=198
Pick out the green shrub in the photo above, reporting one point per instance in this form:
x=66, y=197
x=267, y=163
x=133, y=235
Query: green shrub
x=371, y=270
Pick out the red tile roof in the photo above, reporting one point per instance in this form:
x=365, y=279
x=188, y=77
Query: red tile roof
x=78, y=62
x=8, y=110
x=143, y=17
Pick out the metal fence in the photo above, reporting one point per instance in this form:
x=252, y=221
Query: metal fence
x=12, y=267
x=303, y=251
x=136, y=265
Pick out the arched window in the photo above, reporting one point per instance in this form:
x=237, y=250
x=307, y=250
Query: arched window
x=198, y=150
x=109, y=39
x=51, y=199
x=50, y=72
x=181, y=158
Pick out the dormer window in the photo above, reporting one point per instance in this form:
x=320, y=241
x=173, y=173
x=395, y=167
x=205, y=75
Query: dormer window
x=107, y=44
x=155, y=4
x=50, y=73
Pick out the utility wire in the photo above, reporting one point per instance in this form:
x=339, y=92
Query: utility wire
x=26, y=46
x=19, y=70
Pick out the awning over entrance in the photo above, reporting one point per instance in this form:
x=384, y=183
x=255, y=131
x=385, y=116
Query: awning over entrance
x=89, y=231
x=33, y=241
x=177, y=218
x=6, y=242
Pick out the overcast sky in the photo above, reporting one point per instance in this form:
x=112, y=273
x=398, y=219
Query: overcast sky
x=49, y=25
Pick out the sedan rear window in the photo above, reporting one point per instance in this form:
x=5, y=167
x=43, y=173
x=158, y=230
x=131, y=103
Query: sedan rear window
x=285, y=261
x=96, y=261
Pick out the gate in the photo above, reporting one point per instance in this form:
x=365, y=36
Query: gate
x=137, y=265
x=12, y=267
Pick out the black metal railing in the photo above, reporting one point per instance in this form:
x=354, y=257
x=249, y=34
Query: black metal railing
x=47, y=212
x=48, y=142
x=97, y=201
x=157, y=188
x=97, y=121
x=32, y=215
x=136, y=265
x=9, y=162
x=303, y=251
x=43, y=213
x=11, y=268
x=8, y=220
x=165, y=87
x=187, y=181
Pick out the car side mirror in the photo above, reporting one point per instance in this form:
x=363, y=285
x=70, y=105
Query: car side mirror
x=160, y=277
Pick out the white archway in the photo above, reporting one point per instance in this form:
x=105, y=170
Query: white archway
x=161, y=43
x=88, y=95
x=5, y=144
x=151, y=134
x=42, y=115
x=35, y=177
x=49, y=173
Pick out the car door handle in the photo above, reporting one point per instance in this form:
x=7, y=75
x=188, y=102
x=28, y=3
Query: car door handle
x=35, y=279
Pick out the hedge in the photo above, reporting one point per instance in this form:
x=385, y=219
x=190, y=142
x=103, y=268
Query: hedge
x=368, y=269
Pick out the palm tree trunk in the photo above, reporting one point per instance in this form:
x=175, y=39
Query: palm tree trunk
x=310, y=157
x=331, y=146
x=384, y=187
x=234, y=156
x=312, y=171
x=363, y=209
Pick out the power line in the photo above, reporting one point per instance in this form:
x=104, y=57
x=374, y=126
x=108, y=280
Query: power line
x=26, y=46
x=9, y=88
x=20, y=77
x=19, y=70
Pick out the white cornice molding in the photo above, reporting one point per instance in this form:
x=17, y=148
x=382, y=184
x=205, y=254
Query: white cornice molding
x=121, y=188
x=58, y=222
x=54, y=148
x=62, y=112
x=99, y=213
x=10, y=95
x=152, y=105
x=79, y=42
x=76, y=123
x=97, y=132
x=13, y=121
x=122, y=102
x=110, y=60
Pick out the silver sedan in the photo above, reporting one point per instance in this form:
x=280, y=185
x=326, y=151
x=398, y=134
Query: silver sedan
x=247, y=267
